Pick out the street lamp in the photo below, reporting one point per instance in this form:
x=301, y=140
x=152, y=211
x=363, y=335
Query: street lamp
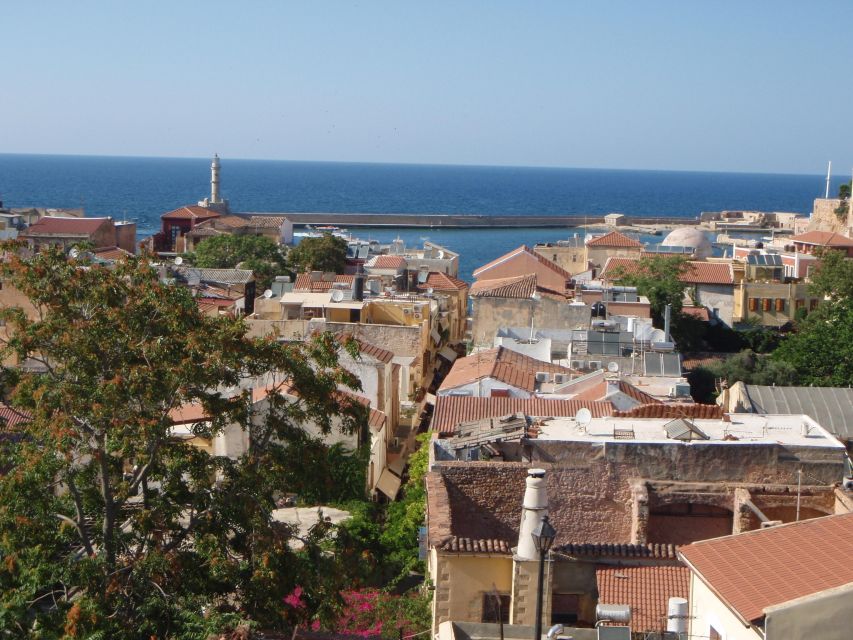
x=543, y=538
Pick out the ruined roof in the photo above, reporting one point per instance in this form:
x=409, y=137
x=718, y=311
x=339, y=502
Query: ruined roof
x=646, y=590
x=823, y=239
x=695, y=272
x=305, y=283
x=637, y=394
x=678, y=410
x=614, y=239
x=190, y=212
x=438, y=281
x=758, y=569
x=111, y=253
x=506, y=365
x=450, y=411
x=830, y=407
x=474, y=506
x=49, y=226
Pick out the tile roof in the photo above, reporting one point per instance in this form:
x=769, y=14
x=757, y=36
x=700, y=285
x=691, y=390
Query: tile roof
x=450, y=411
x=111, y=253
x=637, y=394
x=553, y=266
x=438, y=281
x=655, y=550
x=679, y=410
x=646, y=590
x=695, y=272
x=368, y=349
x=49, y=226
x=515, y=287
x=226, y=276
x=304, y=283
x=267, y=222
x=758, y=569
x=823, y=239
x=700, y=313
x=10, y=417
x=614, y=239
x=506, y=365
x=386, y=262
x=235, y=222
x=190, y=212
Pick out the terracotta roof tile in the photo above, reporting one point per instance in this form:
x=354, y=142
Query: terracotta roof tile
x=506, y=365
x=190, y=212
x=637, y=394
x=656, y=550
x=758, y=569
x=267, y=222
x=65, y=226
x=823, y=239
x=680, y=410
x=304, y=283
x=368, y=349
x=10, y=417
x=439, y=281
x=515, y=287
x=386, y=262
x=450, y=411
x=111, y=253
x=700, y=313
x=614, y=239
x=524, y=249
x=695, y=272
x=646, y=589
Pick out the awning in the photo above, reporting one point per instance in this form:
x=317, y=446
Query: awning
x=389, y=484
x=448, y=354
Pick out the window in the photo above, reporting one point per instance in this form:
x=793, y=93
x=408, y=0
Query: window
x=713, y=634
x=753, y=304
x=496, y=608
x=780, y=304
x=812, y=304
x=765, y=304
x=564, y=608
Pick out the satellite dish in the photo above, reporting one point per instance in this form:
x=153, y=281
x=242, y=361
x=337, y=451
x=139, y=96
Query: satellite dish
x=268, y=294
x=337, y=295
x=536, y=295
x=429, y=291
x=583, y=417
x=613, y=367
x=73, y=253
x=179, y=261
x=440, y=254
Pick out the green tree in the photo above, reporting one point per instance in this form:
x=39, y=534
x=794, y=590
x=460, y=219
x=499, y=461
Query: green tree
x=751, y=368
x=112, y=524
x=658, y=277
x=834, y=276
x=327, y=253
x=257, y=253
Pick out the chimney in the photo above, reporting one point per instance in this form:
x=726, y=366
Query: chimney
x=534, y=508
x=667, y=319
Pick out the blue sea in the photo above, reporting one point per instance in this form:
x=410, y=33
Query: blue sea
x=142, y=189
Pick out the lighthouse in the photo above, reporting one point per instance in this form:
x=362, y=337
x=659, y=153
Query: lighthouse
x=215, y=201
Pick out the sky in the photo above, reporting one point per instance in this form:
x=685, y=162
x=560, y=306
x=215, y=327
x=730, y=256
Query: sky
x=720, y=86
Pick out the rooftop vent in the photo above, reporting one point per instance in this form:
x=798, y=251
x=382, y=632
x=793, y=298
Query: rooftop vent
x=683, y=429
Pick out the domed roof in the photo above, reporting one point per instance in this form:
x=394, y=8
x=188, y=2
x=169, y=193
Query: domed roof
x=689, y=237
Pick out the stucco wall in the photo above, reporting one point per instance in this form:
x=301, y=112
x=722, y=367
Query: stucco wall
x=524, y=263
x=489, y=314
x=707, y=611
x=462, y=580
x=717, y=296
x=827, y=615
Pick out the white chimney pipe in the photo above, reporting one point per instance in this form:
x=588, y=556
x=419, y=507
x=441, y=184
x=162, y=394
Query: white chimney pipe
x=667, y=319
x=534, y=508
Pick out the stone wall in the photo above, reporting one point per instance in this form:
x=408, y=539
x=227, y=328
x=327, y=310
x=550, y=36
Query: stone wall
x=823, y=217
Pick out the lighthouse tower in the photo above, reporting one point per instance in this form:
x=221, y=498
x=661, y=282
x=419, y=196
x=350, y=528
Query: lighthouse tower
x=215, y=201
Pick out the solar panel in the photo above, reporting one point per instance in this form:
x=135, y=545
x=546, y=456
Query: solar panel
x=764, y=260
x=652, y=364
x=614, y=633
x=671, y=364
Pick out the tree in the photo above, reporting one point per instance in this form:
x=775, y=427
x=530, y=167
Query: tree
x=657, y=277
x=327, y=253
x=834, y=276
x=257, y=253
x=114, y=525
x=751, y=368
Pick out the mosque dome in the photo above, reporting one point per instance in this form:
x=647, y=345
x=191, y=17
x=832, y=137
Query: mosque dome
x=689, y=237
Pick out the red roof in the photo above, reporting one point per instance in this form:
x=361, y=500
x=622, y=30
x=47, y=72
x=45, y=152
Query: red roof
x=450, y=411
x=515, y=287
x=637, y=394
x=823, y=239
x=386, y=262
x=9, y=417
x=646, y=590
x=614, y=239
x=553, y=266
x=438, y=281
x=678, y=410
x=304, y=282
x=111, y=253
x=700, y=313
x=695, y=272
x=65, y=226
x=758, y=569
x=506, y=365
x=190, y=212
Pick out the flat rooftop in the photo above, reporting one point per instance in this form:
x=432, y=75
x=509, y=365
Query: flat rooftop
x=741, y=428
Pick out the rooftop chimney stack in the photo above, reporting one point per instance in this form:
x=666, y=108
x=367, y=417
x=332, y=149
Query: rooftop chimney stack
x=534, y=508
x=667, y=319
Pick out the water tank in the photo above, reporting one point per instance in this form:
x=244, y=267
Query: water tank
x=613, y=612
x=677, y=615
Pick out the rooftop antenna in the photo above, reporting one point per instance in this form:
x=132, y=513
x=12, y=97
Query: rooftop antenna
x=828, y=175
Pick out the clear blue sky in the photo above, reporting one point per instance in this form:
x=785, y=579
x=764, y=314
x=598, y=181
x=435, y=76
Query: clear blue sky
x=730, y=86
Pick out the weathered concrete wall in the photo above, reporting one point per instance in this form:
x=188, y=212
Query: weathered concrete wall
x=717, y=296
x=489, y=314
x=572, y=259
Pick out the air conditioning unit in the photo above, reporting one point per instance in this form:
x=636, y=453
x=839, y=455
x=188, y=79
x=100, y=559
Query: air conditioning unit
x=594, y=365
x=562, y=378
x=407, y=311
x=542, y=376
x=680, y=390
x=578, y=365
x=418, y=315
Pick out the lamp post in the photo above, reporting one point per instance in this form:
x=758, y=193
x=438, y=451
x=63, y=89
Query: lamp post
x=543, y=538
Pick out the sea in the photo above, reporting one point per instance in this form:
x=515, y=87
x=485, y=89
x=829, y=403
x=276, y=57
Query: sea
x=141, y=189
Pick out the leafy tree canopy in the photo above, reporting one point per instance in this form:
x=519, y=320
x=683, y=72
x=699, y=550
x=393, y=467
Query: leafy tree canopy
x=327, y=253
x=258, y=253
x=112, y=523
